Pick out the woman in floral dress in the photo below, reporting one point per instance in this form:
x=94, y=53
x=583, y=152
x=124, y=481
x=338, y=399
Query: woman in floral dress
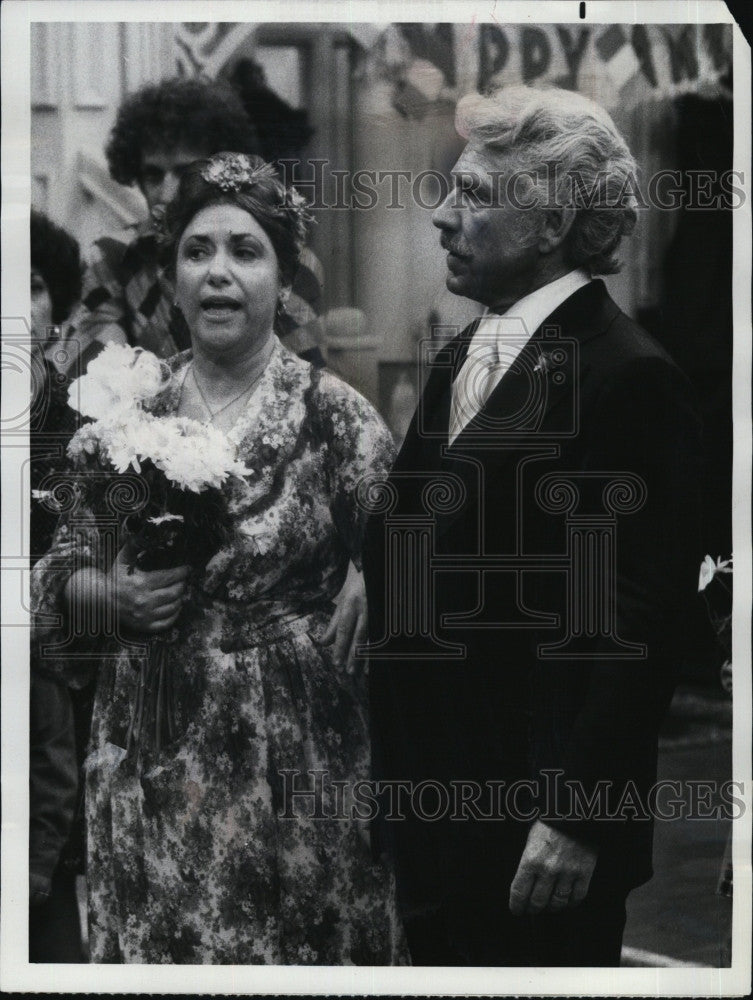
x=198, y=852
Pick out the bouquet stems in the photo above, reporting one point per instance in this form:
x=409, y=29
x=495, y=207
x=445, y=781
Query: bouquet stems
x=154, y=706
x=155, y=545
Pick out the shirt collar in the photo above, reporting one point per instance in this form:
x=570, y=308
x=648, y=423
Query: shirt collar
x=518, y=323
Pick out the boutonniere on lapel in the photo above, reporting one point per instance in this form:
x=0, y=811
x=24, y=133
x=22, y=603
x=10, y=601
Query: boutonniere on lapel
x=545, y=363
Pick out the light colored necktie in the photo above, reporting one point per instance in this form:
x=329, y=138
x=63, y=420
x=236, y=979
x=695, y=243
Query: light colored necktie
x=474, y=381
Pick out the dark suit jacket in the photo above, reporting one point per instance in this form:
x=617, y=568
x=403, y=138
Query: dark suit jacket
x=584, y=460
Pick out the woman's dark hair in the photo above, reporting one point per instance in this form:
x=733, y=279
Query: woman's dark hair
x=195, y=113
x=283, y=131
x=251, y=184
x=55, y=255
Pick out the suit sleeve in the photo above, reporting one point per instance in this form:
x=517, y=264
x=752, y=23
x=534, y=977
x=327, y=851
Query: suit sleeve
x=643, y=422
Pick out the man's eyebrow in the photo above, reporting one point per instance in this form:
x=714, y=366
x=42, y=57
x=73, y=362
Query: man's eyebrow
x=467, y=181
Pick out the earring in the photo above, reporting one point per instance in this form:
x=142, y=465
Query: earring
x=282, y=301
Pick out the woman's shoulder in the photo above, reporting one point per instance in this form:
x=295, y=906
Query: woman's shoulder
x=325, y=389
x=330, y=388
x=345, y=415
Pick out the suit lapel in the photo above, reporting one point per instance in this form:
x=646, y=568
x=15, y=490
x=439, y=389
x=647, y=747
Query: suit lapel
x=428, y=431
x=528, y=403
x=546, y=373
x=536, y=399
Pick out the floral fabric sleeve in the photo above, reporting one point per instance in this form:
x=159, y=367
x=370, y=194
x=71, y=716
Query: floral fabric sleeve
x=360, y=447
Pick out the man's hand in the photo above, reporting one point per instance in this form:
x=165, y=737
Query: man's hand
x=554, y=872
x=348, y=625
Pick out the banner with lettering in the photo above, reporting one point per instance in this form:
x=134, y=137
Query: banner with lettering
x=618, y=64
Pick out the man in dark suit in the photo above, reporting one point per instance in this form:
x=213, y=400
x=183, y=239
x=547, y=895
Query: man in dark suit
x=529, y=562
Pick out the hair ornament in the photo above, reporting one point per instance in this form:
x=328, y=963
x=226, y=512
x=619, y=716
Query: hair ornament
x=234, y=171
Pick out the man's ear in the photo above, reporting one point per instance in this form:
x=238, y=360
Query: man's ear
x=557, y=223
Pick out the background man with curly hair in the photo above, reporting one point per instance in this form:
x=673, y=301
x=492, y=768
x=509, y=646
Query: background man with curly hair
x=551, y=421
x=159, y=130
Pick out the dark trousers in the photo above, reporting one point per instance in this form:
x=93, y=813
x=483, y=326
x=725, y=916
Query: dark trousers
x=483, y=932
x=54, y=929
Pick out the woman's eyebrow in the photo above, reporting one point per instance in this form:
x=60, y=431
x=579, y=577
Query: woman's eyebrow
x=245, y=236
x=235, y=237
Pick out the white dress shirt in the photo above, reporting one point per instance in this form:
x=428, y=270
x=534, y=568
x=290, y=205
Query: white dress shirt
x=497, y=342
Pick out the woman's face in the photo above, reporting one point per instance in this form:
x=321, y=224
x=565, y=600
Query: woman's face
x=227, y=281
x=41, y=307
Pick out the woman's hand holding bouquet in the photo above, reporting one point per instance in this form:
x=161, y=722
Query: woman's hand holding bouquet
x=148, y=602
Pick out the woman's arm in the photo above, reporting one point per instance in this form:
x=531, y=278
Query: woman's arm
x=359, y=446
x=76, y=594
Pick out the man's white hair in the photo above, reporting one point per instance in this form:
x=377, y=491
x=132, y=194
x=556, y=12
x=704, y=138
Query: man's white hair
x=595, y=171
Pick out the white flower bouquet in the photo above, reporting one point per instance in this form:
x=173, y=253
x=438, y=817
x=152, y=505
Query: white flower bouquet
x=181, y=517
x=183, y=463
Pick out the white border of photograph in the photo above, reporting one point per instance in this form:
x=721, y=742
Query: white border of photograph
x=15, y=972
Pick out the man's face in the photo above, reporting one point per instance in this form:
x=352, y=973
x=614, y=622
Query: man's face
x=161, y=170
x=41, y=307
x=492, y=245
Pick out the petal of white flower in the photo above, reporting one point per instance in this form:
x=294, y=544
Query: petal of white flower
x=706, y=575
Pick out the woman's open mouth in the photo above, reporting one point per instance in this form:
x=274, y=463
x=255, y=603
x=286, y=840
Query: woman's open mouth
x=219, y=307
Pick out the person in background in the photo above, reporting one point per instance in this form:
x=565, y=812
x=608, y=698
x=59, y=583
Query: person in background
x=159, y=130
x=283, y=132
x=55, y=279
x=54, y=932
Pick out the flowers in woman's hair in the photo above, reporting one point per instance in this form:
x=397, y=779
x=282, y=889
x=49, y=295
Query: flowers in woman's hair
x=118, y=379
x=240, y=173
x=234, y=171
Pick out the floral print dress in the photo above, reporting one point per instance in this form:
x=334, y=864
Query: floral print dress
x=214, y=849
